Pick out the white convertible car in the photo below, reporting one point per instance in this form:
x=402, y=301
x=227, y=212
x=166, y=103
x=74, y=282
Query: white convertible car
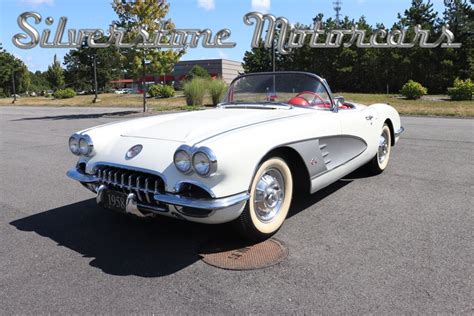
x=275, y=134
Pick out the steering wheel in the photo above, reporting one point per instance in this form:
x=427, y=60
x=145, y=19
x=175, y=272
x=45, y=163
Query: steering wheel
x=299, y=95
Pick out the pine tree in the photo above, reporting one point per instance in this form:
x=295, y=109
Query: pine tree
x=460, y=17
x=258, y=59
x=55, y=74
x=420, y=13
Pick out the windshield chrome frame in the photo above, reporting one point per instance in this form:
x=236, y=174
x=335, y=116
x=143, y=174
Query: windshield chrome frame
x=309, y=74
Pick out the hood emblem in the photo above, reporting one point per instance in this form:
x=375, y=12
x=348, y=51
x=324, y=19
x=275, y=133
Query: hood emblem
x=134, y=151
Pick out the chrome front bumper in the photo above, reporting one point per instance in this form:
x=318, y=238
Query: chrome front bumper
x=222, y=209
x=398, y=133
x=81, y=177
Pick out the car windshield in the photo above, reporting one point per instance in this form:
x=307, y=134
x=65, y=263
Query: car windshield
x=278, y=89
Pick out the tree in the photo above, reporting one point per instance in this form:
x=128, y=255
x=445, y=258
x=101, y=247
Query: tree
x=419, y=13
x=460, y=17
x=12, y=66
x=148, y=15
x=373, y=70
x=79, y=67
x=55, y=75
x=163, y=63
x=198, y=72
x=39, y=82
x=259, y=59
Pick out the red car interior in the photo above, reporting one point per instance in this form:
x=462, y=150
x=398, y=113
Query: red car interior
x=299, y=100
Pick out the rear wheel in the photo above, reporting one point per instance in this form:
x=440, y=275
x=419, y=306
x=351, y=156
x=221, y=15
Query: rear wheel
x=381, y=159
x=270, y=198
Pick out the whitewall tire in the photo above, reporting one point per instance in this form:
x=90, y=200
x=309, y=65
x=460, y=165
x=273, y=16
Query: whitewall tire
x=270, y=198
x=380, y=162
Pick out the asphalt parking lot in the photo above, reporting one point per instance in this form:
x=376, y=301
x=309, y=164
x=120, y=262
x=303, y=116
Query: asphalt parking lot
x=401, y=242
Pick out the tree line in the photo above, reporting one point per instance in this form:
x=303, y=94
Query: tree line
x=346, y=69
x=376, y=70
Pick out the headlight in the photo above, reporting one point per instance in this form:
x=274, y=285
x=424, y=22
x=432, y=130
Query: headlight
x=182, y=159
x=81, y=145
x=74, y=144
x=204, y=162
x=85, y=145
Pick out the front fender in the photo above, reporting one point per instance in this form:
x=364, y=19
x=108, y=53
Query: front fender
x=239, y=153
x=386, y=112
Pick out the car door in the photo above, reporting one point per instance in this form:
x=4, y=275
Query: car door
x=359, y=125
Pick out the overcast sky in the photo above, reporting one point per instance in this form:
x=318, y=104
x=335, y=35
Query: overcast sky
x=213, y=14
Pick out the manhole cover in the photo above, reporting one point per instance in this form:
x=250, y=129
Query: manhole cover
x=237, y=256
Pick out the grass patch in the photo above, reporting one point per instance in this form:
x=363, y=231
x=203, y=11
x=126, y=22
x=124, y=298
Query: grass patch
x=433, y=105
x=427, y=105
x=177, y=103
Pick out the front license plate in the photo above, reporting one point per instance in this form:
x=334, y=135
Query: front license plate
x=116, y=201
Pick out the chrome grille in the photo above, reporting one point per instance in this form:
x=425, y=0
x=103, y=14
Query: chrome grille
x=143, y=185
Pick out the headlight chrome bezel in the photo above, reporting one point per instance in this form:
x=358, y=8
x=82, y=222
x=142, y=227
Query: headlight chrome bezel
x=211, y=158
x=75, y=138
x=191, y=153
x=85, y=146
x=188, y=152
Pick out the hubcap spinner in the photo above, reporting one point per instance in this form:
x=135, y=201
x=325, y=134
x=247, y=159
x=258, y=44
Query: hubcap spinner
x=269, y=195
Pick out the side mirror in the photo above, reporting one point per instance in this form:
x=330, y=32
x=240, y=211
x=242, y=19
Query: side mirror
x=339, y=101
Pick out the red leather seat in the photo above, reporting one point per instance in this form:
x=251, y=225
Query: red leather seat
x=299, y=101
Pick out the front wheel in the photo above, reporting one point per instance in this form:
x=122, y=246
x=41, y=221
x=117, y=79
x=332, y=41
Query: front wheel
x=270, y=198
x=380, y=161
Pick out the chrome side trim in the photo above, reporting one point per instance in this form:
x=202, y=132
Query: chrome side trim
x=207, y=204
x=335, y=168
x=400, y=131
x=81, y=177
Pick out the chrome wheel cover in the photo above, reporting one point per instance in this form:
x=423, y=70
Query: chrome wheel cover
x=269, y=195
x=383, y=147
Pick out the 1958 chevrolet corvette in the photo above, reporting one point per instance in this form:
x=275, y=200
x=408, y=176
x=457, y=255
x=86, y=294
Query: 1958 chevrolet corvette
x=274, y=135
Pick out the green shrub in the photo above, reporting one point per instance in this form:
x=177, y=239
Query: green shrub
x=194, y=91
x=154, y=90
x=167, y=92
x=198, y=72
x=64, y=93
x=157, y=90
x=461, y=90
x=217, y=89
x=413, y=90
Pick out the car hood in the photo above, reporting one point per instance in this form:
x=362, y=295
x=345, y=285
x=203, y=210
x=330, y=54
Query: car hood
x=199, y=125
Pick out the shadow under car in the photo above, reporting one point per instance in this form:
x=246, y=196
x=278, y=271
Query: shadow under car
x=126, y=245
